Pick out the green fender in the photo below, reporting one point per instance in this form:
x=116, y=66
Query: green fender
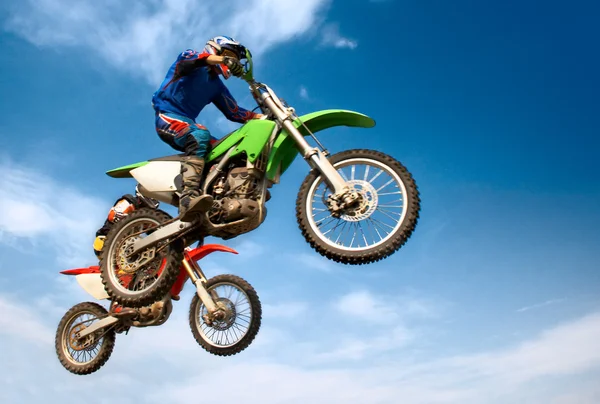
x=251, y=138
x=284, y=150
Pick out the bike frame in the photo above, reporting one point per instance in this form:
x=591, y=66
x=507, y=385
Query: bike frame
x=89, y=279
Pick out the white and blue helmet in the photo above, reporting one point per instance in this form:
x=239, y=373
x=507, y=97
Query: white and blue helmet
x=225, y=46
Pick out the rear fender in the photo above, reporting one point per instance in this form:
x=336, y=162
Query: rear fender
x=284, y=149
x=95, y=269
x=89, y=279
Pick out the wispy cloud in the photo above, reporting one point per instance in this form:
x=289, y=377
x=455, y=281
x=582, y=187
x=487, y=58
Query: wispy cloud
x=303, y=93
x=330, y=36
x=384, y=309
x=366, y=307
x=285, y=309
x=44, y=212
x=495, y=376
x=354, y=348
x=143, y=37
x=492, y=377
x=248, y=248
x=539, y=305
x=23, y=323
x=313, y=261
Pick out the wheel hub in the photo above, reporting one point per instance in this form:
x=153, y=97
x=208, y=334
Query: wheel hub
x=127, y=266
x=76, y=343
x=366, y=203
x=224, y=317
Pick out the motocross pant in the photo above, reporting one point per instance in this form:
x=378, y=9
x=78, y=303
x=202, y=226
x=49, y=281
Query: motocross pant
x=183, y=134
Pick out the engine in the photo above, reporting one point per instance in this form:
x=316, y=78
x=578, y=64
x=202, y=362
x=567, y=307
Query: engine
x=236, y=195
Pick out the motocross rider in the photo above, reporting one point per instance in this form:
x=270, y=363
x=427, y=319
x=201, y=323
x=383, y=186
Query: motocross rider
x=191, y=83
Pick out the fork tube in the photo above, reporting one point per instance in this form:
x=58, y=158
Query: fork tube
x=199, y=283
x=285, y=120
x=313, y=156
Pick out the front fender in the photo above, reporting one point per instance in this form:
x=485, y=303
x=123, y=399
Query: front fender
x=200, y=252
x=284, y=150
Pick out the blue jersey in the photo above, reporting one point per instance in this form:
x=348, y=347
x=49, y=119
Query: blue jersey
x=189, y=86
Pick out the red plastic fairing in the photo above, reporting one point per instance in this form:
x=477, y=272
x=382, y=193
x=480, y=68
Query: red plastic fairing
x=200, y=252
x=179, y=282
x=195, y=255
x=95, y=269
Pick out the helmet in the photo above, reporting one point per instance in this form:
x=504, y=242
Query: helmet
x=225, y=46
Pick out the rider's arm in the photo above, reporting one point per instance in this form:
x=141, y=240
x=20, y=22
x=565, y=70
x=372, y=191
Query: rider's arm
x=225, y=102
x=190, y=60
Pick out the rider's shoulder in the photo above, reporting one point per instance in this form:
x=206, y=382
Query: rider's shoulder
x=189, y=53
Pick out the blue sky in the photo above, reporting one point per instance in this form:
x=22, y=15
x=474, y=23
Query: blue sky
x=493, y=108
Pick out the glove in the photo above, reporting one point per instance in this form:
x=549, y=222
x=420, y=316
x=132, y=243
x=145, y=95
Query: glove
x=234, y=65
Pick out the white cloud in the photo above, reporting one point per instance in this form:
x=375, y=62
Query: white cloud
x=248, y=248
x=303, y=93
x=364, y=306
x=144, y=37
x=539, y=305
x=165, y=353
x=330, y=36
x=23, y=323
x=567, y=348
x=314, y=261
x=353, y=348
x=384, y=309
x=468, y=379
x=45, y=212
x=285, y=310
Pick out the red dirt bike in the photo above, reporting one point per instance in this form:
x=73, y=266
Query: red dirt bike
x=221, y=323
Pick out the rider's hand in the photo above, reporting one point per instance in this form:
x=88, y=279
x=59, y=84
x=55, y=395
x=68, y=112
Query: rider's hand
x=234, y=65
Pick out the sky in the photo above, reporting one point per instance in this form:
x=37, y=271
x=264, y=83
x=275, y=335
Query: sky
x=493, y=107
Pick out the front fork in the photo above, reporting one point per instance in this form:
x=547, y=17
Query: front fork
x=343, y=195
x=215, y=311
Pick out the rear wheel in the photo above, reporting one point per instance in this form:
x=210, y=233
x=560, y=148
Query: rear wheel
x=88, y=354
x=377, y=225
x=142, y=279
x=240, y=319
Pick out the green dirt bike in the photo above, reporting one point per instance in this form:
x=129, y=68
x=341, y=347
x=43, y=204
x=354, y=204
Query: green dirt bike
x=354, y=207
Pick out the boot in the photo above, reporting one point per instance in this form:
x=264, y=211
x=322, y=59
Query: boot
x=192, y=201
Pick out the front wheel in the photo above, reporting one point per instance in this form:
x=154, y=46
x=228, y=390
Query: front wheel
x=238, y=322
x=377, y=225
x=88, y=354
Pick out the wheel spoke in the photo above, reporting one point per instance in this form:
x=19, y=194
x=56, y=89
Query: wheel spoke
x=377, y=175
